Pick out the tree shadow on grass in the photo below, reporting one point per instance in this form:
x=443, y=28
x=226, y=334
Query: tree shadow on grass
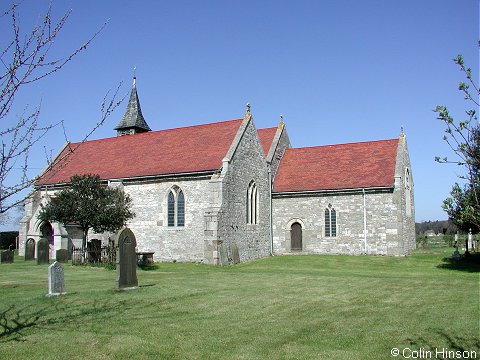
x=14, y=320
x=454, y=343
x=470, y=263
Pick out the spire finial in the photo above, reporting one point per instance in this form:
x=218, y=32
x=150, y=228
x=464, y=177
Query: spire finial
x=402, y=133
x=248, y=108
x=281, y=118
x=134, y=72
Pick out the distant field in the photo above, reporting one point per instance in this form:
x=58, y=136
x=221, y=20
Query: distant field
x=296, y=307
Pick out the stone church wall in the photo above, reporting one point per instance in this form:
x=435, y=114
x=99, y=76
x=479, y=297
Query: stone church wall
x=384, y=232
x=283, y=143
x=247, y=163
x=404, y=195
x=179, y=243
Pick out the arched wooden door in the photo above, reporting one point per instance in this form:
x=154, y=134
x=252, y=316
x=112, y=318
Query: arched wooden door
x=296, y=236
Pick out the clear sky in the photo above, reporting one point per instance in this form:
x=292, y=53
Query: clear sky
x=339, y=71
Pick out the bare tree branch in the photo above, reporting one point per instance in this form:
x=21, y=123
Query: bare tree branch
x=26, y=59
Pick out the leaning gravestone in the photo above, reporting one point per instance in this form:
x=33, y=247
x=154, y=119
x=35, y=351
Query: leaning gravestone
x=56, y=279
x=62, y=255
x=30, y=249
x=43, y=252
x=126, y=260
x=6, y=257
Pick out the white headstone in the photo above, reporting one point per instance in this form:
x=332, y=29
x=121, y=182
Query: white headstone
x=470, y=241
x=56, y=282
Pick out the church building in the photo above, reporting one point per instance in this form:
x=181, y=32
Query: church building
x=227, y=192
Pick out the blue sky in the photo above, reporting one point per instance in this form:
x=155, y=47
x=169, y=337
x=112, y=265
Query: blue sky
x=338, y=70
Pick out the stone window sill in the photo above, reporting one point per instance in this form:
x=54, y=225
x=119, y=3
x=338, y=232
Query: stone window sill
x=174, y=228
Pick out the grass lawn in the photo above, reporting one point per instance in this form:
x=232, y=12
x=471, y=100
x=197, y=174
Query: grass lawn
x=285, y=307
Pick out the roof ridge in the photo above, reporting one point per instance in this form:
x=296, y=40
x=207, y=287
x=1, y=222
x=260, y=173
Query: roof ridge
x=344, y=144
x=150, y=133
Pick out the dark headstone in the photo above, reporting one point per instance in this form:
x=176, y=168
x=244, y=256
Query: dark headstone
x=30, y=249
x=62, y=255
x=6, y=257
x=126, y=259
x=94, y=249
x=235, y=254
x=43, y=251
x=56, y=280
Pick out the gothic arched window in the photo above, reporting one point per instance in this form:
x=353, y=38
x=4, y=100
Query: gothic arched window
x=330, y=221
x=408, y=193
x=176, y=207
x=252, y=203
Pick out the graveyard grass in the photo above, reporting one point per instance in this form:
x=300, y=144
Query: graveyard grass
x=286, y=307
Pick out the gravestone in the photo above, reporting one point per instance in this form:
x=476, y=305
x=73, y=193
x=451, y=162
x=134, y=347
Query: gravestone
x=6, y=257
x=56, y=280
x=235, y=253
x=94, y=248
x=223, y=258
x=470, y=241
x=126, y=259
x=30, y=249
x=62, y=255
x=43, y=252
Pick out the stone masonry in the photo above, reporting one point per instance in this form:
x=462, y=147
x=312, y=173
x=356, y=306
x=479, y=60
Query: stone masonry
x=226, y=228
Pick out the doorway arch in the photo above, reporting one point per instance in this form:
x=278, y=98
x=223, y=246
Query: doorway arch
x=296, y=241
x=46, y=231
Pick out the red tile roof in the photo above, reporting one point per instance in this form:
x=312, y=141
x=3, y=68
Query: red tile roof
x=334, y=167
x=182, y=150
x=266, y=137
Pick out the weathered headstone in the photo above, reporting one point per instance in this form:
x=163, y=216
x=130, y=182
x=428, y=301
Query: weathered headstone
x=126, y=260
x=62, y=255
x=470, y=241
x=6, y=257
x=43, y=251
x=30, y=249
x=94, y=248
x=235, y=253
x=222, y=254
x=56, y=279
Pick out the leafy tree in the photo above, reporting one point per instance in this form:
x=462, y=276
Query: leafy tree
x=463, y=138
x=462, y=208
x=90, y=204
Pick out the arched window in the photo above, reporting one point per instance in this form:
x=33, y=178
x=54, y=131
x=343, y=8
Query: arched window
x=408, y=193
x=176, y=207
x=252, y=203
x=330, y=221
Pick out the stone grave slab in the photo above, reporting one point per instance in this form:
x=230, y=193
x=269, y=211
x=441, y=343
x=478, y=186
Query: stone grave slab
x=30, y=249
x=62, y=255
x=126, y=260
x=43, y=252
x=56, y=279
x=6, y=257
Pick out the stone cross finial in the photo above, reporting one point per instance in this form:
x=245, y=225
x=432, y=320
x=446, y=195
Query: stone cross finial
x=248, y=108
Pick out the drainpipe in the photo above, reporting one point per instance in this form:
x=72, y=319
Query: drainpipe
x=270, y=215
x=364, y=221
